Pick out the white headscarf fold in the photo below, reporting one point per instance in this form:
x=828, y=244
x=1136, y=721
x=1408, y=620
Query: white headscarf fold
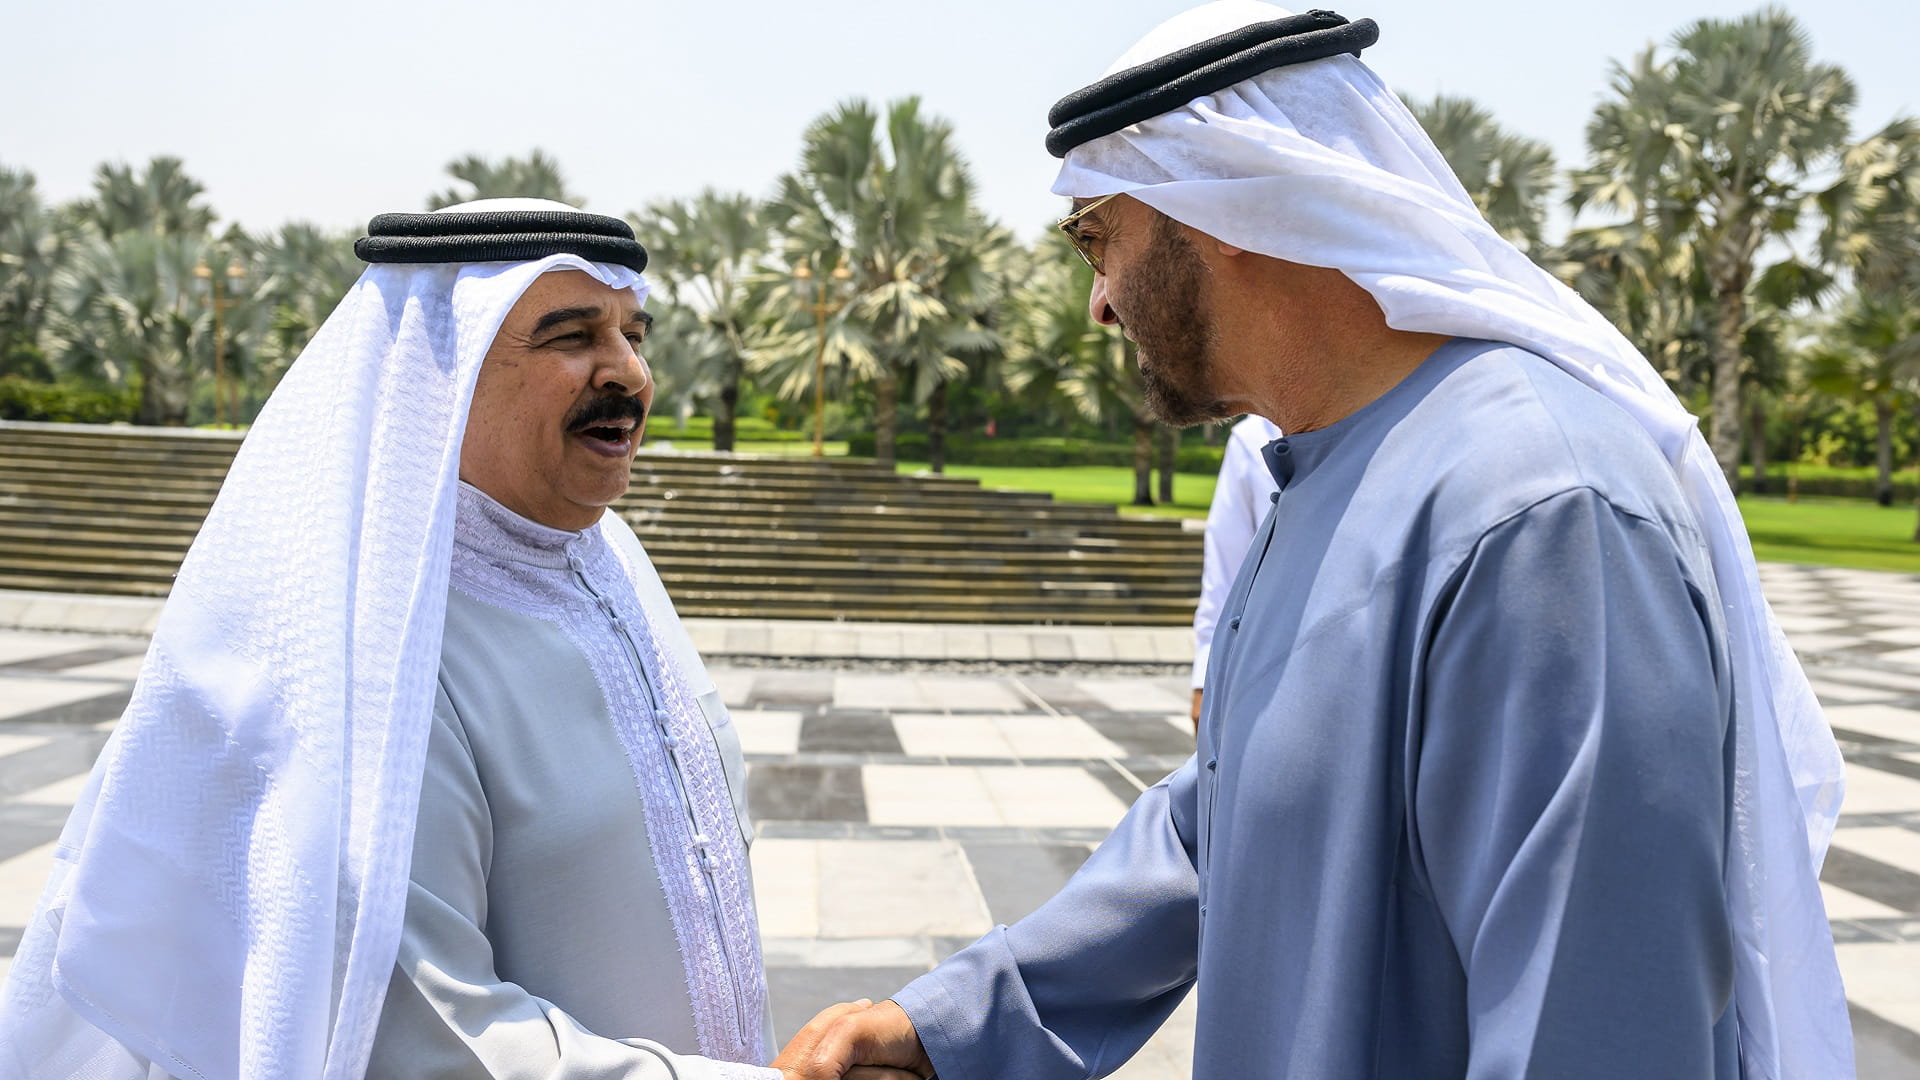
x=1321, y=164
x=227, y=897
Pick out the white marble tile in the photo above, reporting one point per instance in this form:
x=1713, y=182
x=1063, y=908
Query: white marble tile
x=767, y=731
x=1886, y=721
x=1133, y=695
x=13, y=744
x=59, y=793
x=1878, y=975
x=21, y=879
x=1902, y=656
x=1051, y=796
x=943, y=735
x=1870, y=791
x=18, y=645
x=1887, y=844
x=970, y=695
x=125, y=669
x=735, y=685
x=1042, y=736
x=1842, y=904
x=1795, y=625
x=1899, y=635
x=928, y=795
x=786, y=887
x=1825, y=643
x=890, y=692
x=901, y=888
x=23, y=695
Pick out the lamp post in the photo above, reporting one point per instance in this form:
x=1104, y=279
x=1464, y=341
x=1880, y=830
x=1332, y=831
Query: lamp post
x=821, y=307
x=218, y=283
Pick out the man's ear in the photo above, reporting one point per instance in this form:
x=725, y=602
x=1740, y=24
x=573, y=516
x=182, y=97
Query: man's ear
x=1228, y=249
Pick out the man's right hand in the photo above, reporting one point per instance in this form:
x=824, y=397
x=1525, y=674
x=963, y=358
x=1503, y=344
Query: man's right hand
x=857, y=1041
x=1196, y=709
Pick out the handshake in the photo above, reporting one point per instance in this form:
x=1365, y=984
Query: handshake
x=858, y=1041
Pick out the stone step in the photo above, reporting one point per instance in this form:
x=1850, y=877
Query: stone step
x=114, y=511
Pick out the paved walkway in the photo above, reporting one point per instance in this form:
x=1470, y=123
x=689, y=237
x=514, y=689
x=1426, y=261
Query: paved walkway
x=905, y=807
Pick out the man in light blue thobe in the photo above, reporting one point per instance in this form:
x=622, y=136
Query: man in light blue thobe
x=1498, y=759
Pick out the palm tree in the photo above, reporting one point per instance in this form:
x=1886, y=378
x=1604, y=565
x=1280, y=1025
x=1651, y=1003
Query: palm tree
x=1510, y=176
x=163, y=199
x=129, y=306
x=1715, y=140
x=35, y=242
x=299, y=276
x=535, y=176
x=1872, y=356
x=893, y=210
x=1056, y=352
x=707, y=250
x=1873, y=231
x=690, y=361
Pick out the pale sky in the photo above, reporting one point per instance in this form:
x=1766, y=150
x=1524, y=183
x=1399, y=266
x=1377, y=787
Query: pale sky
x=335, y=112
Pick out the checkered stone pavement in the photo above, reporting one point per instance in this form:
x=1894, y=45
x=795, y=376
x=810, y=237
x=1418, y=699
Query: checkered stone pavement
x=902, y=813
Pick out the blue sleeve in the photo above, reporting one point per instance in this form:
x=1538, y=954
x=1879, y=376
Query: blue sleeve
x=1570, y=779
x=1076, y=988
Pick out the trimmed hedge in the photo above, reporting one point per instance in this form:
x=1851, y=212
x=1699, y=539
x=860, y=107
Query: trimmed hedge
x=67, y=403
x=1040, y=453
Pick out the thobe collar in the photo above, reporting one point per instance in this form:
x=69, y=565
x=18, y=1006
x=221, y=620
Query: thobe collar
x=490, y=529
x=1292, y=458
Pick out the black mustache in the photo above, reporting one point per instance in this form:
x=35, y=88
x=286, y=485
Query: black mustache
x=607, y=407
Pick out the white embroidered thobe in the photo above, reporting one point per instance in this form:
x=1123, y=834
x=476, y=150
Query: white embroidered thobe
x=580, y=903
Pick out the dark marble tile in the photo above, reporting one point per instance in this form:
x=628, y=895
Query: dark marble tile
x=1017, y=878
x=787, y=689
x=849, y=731
x=803, y=830
x=93, y=710
x=74, y=659
x=1899, y=766
x=1898, y=889
x=796, y=994
x=806, y=793
x=1882, y=1049
x=1063, y=693
x=1122, y=788
x=944, y=947
x=24, y=827
x=10, y=939
x=66, y=756
x=1140, y=736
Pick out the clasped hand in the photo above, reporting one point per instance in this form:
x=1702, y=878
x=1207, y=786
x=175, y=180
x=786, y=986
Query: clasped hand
x=856, y=1040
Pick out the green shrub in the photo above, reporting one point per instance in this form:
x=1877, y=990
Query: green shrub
x=69, y=403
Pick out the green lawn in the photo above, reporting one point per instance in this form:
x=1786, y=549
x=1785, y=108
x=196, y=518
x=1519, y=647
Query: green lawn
x=1833, y=532
x=1830, y=532
x=1088, y=483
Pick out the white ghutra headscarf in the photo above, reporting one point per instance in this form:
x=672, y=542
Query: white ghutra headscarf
x=1321, y=164
x=227, y=897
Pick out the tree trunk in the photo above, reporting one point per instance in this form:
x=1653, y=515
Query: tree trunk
x=1169, y=455
x=1142, y=461
x=163, y=396
x=1757, y=440
x=1916, y=475
x=1729, y=272
x=1883, y=451
x=937, y=428
x=723, y=417
x=886, y=414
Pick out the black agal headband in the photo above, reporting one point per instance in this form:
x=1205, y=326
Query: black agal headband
x=1164, y=84
x=500, y=236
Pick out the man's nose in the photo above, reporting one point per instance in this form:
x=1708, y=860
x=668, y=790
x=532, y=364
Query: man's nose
x=625, y=372
x=1097, y=305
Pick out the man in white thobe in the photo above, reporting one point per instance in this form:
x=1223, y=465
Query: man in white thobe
x=422, y=776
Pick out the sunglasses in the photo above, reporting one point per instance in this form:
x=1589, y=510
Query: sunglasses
x=1083, y=246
